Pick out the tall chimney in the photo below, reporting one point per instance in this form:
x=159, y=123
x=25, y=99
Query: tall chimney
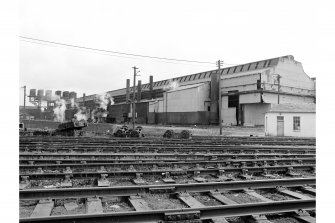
x=139, y=90
x=127, y=90
x=84, y=95
x=214, y=109
x=151, y=80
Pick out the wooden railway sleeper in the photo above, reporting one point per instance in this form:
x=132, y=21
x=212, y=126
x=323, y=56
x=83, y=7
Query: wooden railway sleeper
x=245, y=174
x=67, y=170
x=102, y=169
x=39, y=170
x=131, y=168
x=154, y=167
x=182, y=216
x=265, y=163
x=303, y=215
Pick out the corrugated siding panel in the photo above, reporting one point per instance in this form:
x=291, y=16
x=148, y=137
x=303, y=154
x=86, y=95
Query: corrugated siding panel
x=242, y=80
x=250, y=98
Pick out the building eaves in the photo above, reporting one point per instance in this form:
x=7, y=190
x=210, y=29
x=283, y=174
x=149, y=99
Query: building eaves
x=293, y=108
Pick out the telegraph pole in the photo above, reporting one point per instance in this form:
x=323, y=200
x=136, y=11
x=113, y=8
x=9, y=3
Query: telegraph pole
x=134, y=91
x=219, y=63
x=278, y=79
x=24, y=98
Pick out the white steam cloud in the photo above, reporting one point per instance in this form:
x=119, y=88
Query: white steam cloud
x=59, y=110
x=171, y=86
x=82, y=114
x=104, y=99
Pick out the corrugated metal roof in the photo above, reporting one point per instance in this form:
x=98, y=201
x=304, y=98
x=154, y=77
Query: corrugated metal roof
x=184, y=87
x=248, y=67
x=294, y=108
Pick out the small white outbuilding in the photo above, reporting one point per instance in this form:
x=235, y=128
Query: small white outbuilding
x=296, y=120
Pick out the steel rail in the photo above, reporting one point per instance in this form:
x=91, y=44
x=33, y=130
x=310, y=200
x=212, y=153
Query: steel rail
x=169, y=148
x=108, y=138
x=194, y=138
x=190, y=141
x=156, y=154
x=169, y=214
x=143, y=162
x=89, y=174
x=246, y=143
x=61, y=193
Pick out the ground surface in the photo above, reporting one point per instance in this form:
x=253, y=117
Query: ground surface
x=201, y=130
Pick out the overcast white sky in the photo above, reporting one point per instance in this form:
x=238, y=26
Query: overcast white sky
x=233, y=31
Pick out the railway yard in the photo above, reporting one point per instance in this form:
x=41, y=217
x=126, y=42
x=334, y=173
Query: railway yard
x=153, y=179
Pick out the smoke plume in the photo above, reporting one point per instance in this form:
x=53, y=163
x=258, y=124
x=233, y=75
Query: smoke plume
x=104, y=100
x=171, y=86
x=59, y=110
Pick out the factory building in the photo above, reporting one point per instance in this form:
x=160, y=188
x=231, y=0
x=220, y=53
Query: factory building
x=297, y=120
x=247, y=92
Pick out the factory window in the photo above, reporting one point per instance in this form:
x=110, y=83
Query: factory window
x=296, y=123
x=259, y=84
x=233, y=99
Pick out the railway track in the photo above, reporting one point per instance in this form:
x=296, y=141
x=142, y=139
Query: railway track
x=221, y=202
x=197, y=179
x=167, y=149
x=199, y=141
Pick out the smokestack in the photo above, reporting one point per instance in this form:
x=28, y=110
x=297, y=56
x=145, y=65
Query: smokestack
x=127, y=90
x=40, y=93
x=84, y=95
x=139, y=90
x=214, y=109
x=73, y=94
x=48, y=94
x=32, y=92
x=66, y=94
x=59, y=93
x=151, y=80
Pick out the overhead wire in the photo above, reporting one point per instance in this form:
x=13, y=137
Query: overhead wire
x=109, y=52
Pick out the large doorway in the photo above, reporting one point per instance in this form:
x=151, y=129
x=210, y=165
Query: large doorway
x=280, y=125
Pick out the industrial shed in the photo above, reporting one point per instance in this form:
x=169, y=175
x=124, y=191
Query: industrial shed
x=296, y=120
x=247, y=92
x=188, y=104
x=248, y=95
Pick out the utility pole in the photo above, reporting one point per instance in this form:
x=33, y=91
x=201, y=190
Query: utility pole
x=278, y=79
x=24, y=98
x=219, y=63
x=134, y=91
